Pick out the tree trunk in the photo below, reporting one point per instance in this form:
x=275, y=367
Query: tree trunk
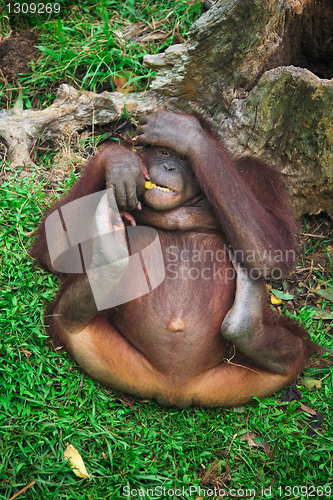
x=262, y=69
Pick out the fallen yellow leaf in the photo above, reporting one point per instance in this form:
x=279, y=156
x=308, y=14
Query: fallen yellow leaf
x=75, y=460
x=275, y=300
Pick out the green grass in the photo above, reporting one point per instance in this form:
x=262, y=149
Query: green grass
x=44, y=405
x=46, y=402
x=88, y=45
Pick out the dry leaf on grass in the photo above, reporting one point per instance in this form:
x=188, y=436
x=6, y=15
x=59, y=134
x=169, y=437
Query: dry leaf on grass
x=256, y=440
x=76, y=462
x=310, y=383
x=308, y=410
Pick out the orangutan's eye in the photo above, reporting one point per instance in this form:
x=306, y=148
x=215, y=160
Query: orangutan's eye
x=164, y=152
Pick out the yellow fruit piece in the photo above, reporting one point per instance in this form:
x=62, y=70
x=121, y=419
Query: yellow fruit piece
x=75, y=460
x=149, y=185
x=275, y=300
